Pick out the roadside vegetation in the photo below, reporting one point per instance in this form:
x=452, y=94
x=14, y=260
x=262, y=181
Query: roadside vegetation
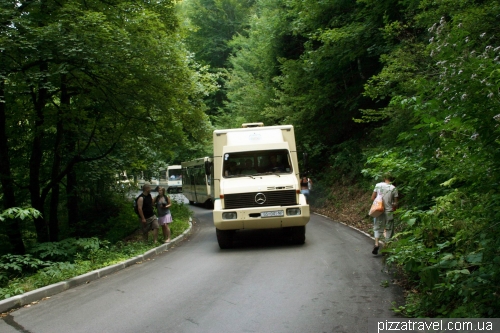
x=51, y=262
x=88, y=90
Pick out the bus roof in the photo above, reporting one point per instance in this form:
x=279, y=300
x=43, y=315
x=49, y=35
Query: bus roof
x=251, y=129
x=195, y=162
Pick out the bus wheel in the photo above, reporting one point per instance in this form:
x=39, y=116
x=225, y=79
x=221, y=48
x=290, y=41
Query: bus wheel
x=191, y=202
x=225, y=238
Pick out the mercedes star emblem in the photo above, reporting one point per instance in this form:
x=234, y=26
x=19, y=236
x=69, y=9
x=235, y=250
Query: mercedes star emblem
x=260, y=198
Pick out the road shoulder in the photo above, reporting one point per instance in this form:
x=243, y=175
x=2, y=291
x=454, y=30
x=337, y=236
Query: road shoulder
x=34, y=296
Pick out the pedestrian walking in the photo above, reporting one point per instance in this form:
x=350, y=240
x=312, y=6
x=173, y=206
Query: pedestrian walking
x=163, y=204
x=146, y=213
x=385, y=222
x=309, y=184
x=304, y=187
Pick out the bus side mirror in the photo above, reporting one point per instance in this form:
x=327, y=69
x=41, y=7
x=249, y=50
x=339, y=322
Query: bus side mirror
x=207, y=168
x=305, y=155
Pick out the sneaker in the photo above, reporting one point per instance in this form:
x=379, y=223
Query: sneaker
x=375, y=250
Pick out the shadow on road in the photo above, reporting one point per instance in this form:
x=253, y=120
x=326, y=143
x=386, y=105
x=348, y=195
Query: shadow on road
x=209, y=206
x=261, y=239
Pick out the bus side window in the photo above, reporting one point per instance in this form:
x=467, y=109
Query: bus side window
x=199, y=178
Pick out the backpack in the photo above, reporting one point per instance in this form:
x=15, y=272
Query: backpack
x=136, y=208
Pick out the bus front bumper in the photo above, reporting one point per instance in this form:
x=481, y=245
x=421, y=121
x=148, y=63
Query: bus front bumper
x=261, y=217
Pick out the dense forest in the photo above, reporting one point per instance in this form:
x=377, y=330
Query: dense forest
x=411, y=87
x=88, y=89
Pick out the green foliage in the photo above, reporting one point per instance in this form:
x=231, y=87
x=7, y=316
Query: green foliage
x=180, y=214
x=22, y=216
x=213, y=23
x=346, y=161
x=210, y=25
x=19, y=213
x=51, y=262
x=254, y=65
x=450, y=254
x=109, y=215
x=87, y=90
x=67, y=249
x=21, y=273
x=441, y=142
x=121, y=225
x=12, y=265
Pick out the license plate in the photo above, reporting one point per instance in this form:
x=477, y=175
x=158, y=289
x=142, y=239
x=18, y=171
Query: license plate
x=272, y=214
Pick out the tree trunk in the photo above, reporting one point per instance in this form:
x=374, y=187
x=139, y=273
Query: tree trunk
x=13, y=228
x=360, y=70
x=72, y=202
x=53, y=217
x=35, y=163
x=56, y=164
x=54, y=199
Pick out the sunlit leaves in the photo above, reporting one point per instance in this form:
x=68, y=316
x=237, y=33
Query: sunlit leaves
x=19, y=213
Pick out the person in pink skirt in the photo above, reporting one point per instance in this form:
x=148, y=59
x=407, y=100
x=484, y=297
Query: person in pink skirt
x=163, y=203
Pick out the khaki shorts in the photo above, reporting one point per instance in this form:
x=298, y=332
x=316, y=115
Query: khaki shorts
x=383, y=222
x=151, y=224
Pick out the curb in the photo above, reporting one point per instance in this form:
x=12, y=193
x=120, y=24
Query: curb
x=50, y=290
x=350, y=226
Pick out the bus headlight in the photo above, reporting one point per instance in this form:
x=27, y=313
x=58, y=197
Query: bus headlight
x=229, y=216
x=293, y=211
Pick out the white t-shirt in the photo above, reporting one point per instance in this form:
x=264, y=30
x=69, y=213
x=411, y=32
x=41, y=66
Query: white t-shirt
x=389, y=192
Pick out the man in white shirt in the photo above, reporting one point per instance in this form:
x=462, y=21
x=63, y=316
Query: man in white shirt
x=385, y=222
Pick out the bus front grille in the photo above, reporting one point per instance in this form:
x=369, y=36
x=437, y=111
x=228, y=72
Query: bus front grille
x=249, y=200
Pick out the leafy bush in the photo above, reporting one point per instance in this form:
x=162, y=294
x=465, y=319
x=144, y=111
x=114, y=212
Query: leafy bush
x=13, y=265
x=346, y=161
x=123, y=224
x=22, y=215
x=447, y=166
x=19, y=213
x=451, y=253
x=180, y=210
x=42, y=273
x=67, y=249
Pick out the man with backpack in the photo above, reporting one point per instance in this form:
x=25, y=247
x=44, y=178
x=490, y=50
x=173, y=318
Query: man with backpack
x=147, y=217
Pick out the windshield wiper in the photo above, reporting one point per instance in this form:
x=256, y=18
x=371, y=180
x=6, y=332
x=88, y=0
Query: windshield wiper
x=265, y=174
x=271, y=173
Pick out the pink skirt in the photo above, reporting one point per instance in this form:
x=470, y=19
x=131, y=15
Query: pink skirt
x=162, y=220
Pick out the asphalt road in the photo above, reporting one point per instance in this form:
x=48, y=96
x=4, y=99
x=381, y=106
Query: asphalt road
x=330, y=284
